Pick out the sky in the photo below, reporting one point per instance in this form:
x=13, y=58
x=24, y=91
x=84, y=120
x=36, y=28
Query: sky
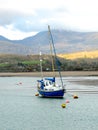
x=23, y=18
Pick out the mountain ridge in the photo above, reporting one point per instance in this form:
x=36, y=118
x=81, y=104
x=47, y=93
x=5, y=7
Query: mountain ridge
x=65, y=42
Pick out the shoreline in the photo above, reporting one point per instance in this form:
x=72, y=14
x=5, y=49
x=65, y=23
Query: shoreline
x=49, y=74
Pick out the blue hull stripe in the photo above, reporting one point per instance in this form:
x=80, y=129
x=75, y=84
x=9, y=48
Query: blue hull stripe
x=59, y=93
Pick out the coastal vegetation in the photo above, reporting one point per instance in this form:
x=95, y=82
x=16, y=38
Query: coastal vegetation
x=31, y=63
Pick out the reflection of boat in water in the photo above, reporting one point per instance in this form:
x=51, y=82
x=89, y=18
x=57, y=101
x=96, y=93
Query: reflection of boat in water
x=47, y=87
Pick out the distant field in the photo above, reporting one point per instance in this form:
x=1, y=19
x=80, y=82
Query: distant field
x=84, y=54
x=81, y=61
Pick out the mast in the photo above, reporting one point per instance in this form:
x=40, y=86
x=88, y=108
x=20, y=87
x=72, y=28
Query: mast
x=41, y=69
x=55, y=55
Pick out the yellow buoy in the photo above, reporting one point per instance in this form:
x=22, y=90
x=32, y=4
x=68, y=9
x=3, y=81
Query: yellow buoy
x=63, y=105
x=37, y=94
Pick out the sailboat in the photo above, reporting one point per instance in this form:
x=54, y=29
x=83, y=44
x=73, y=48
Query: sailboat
x=47, y=87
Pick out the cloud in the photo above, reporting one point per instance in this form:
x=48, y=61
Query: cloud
x=29, y=22
x=28, y=16
x=18, y=19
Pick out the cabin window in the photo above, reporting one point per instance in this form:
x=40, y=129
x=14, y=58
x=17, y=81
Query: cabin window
x=46, y=84
x=50, y=82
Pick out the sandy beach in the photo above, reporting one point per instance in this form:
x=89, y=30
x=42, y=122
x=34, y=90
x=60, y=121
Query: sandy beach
x=64, y=73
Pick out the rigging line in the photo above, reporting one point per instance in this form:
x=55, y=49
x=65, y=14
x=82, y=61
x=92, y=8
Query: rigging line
x=51, y=54
x=55, y=54
x=52, y=58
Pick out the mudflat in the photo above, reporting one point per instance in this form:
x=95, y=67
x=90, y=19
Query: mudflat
x=87, y=82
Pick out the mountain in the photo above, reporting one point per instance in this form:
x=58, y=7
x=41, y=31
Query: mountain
x=3, y=38
x=65, y=42
x=11, y=48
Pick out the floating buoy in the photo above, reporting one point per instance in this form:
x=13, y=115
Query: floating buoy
x=67, y=101
x=37, y=94
x=75, y=96
x=63, y=105
x=20, y=83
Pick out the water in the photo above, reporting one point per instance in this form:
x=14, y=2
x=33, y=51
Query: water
x=20, y=109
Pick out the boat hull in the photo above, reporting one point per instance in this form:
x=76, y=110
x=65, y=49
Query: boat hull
x=57, y=93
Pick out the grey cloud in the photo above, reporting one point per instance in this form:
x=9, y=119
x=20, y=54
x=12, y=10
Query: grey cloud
x=29, y=22
x=18, y=19
x=8, y=16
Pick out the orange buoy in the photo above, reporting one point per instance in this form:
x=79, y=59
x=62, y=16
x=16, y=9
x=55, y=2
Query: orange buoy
x=75, y=96
x=63, y=105
x=37, y=94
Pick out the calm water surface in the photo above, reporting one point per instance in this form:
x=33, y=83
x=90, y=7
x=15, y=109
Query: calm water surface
x=20, y=109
